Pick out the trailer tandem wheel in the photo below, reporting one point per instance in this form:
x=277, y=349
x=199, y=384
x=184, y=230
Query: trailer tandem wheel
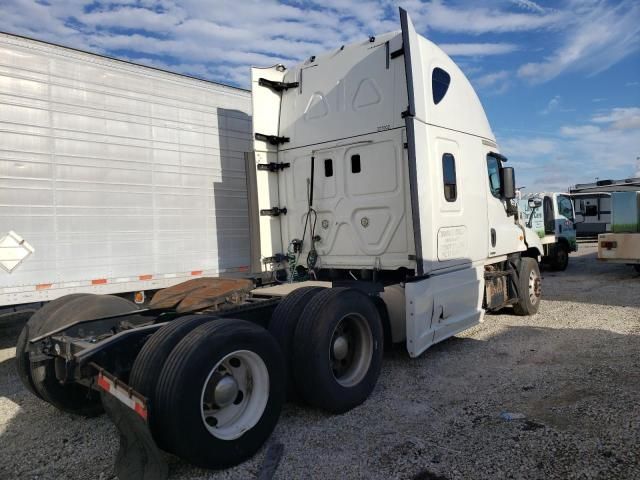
x=74, y=397
x=529, y=287
x=338, y=349
x=283, y=328
x=152, y=357
x=220, y=393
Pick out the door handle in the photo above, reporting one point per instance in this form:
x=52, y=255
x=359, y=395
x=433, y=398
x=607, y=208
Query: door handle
x=493, y=237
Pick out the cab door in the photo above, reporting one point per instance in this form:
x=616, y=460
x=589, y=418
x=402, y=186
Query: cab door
x=505, y=236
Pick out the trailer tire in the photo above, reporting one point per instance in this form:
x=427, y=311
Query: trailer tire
x=283, y=328
x=560, y=259
x=73, y=398
x=31, y=329
x=250, y=399
x=152, y=357
x=529, y=287
x=344, y=325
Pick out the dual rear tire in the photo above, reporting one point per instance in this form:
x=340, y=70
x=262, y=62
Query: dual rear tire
x=216, y=388
x=333, y=344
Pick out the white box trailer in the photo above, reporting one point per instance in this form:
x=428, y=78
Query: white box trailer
x=387, y=215
x=120, y=177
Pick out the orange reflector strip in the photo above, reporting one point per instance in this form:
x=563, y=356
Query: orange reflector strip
x=98, y=281
x=243, y=269
x=145, y=277
x=43, y=286
x=196, y=272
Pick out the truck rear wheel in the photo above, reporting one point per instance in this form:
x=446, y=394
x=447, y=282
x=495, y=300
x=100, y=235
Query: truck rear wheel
x=220, y=393
x=152, y=357
x=342, y=326
x=560, y=259
x=283, y=328
x=72, y=398
x=529, y=287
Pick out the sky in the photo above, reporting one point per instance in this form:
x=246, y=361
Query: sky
x=560, y=81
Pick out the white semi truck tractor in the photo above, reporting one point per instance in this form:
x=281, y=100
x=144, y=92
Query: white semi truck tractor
x=385, y=214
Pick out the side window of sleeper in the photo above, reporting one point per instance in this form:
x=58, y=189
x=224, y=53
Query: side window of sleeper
x=449, y=177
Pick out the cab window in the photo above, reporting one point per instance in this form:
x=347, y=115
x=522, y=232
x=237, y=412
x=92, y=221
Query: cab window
x=493, y=169
x=565, y=207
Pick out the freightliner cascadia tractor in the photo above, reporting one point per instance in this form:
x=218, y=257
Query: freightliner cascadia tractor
x=384, y=213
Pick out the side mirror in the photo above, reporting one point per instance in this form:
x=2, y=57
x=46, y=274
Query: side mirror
x=508, y=180
x=579, y=217
x=535, y=203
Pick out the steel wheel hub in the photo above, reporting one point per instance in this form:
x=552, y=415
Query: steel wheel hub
x=225, y=391
x=234, y=395
x=340, y=348
x=535, y=287
x=351, y=350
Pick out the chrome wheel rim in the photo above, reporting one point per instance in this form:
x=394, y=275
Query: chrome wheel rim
x=351, y=350
x=535, y=287
x=234, y=395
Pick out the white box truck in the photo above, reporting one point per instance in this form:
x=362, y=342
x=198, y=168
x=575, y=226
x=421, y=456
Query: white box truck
x=115, y=177
x=551, y=216
x=622, y=245
x=387, y=215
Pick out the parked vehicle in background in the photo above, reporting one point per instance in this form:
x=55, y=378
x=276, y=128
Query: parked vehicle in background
x=593, y=212
x=592, y=203
x=115, y=178
x=385, y=216
x=551, y=216
x=622, y=245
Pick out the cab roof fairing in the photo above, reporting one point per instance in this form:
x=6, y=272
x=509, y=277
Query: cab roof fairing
x=459, y=110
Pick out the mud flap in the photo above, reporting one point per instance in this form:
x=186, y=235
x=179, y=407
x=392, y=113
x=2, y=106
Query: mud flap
x=138, y=456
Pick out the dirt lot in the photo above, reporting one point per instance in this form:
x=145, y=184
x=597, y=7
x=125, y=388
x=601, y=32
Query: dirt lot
x=572, y=372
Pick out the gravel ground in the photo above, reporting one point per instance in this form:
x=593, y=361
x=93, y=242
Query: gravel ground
x=572, y=372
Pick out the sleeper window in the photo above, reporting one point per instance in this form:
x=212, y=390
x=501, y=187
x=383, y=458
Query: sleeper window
x=355, y=164
x=440, y=81
x=449, y=177
x=328, y=167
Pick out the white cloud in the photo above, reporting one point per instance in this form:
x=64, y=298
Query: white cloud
x=529, y=5
x=552, y=106
x=598, y=36
x=491, y=79
x=579, y=131
x=478, y=49
x=620, y=118
x=478, y=20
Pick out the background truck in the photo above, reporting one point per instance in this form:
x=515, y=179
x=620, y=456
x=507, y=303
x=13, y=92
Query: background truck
x=622, y=245
x=115, y=177
x=385, y=216
x=551, y=216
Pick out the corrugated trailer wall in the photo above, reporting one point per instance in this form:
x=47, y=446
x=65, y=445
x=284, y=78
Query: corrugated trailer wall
x=121, y=177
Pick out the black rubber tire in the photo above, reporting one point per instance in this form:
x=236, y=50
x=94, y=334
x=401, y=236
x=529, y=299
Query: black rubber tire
x=73, y=398
x=560, y=259
x=283, y=328
x=525, y=305
x=152, y=357
x=31, y=330
x=178, y=393
x=313, y=373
